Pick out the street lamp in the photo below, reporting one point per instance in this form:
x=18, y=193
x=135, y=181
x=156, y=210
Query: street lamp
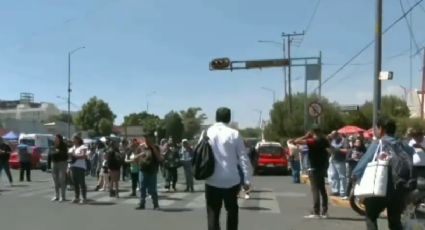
x=69, y=88
x=280, y=44
x=272, y=91
x=147, y=100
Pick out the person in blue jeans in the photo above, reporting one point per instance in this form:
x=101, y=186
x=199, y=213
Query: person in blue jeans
x=149, y=160
x=337, y=165
x=294, y=159
x=5, y=151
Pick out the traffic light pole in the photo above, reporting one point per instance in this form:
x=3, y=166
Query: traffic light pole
x=378, y=63
x=289, y=40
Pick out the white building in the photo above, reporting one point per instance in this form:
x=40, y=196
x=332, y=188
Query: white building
x=35, y=112
x=413, y=100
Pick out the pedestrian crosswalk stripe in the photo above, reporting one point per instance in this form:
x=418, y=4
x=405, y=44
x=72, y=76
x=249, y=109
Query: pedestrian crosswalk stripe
x=268, y=203
x=105, y=199
x=198, y=202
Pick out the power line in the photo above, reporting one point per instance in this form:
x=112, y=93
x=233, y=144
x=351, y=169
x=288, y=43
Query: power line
x=409, y=27
x=310, y=21
x=369, y=44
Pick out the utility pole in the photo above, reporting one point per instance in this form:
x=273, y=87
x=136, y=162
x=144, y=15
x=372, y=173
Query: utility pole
x=289, y=41
x=423, y=88
x=378, y=63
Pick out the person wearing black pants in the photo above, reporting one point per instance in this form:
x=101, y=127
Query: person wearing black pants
x=215, y=198
x=318, y=158
x=4, y=159
x=25, y=161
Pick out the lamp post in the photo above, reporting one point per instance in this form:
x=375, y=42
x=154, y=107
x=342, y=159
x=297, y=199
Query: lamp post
x=280, y=44
x=147, y=100
x=272, y=91
x=69, y=89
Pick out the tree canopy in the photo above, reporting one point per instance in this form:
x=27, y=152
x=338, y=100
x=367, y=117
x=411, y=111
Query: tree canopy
x=97, y=116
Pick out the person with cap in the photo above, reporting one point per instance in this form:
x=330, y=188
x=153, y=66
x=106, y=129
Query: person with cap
x=318, y=146
x=78, y=169
x=224, y=184
x=5, y=151
x=186, y=155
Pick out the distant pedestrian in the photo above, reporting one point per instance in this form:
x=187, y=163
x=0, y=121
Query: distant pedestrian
x=337, y=167
x=318, y=146
x=101, y=168
x=125, y=152
x=24, y=161
x=5, y=151
x=134, y=166
x=149, y=160
x=59, y=167
x=78, y=170
x=186, y=155
x=353, y=157
x=114, y=161
x=224, y=184
x=294, y=159
x=171, y=164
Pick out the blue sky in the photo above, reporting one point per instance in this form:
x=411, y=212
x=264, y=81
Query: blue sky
x=134, y=47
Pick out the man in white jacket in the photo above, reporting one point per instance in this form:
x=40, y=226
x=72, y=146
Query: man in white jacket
x=224, y=184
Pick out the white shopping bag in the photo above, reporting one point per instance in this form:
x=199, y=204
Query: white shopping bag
x=419, y=157
x=375, y=178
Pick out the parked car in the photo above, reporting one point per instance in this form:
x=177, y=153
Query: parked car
x=40, y=146
x=271, y=157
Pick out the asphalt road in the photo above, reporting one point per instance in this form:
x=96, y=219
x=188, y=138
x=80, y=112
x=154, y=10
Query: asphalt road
x=275, y=204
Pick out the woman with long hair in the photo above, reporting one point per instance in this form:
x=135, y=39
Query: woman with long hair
x=59, y=166
x=78, y=170
x=149, y=160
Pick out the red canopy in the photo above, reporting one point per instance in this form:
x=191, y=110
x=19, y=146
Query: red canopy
x=350, y=129
x=368, y=133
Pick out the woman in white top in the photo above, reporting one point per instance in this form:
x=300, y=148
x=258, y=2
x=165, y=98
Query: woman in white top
x=78, y=169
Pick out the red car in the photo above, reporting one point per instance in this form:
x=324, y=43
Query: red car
x=271, y=157
x=36, y=156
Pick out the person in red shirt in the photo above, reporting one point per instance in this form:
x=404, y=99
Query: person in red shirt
x=318, y=156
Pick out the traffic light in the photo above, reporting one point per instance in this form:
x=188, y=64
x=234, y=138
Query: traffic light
x=220, y=64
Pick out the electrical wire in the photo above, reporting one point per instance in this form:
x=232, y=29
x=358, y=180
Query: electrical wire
x=409, y=27
x=368, y=45
x=310, y=21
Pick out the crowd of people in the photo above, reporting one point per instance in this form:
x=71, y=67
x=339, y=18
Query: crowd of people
x=343, y=160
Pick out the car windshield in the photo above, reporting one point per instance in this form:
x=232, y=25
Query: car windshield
x=274, y=150
x=28, y=142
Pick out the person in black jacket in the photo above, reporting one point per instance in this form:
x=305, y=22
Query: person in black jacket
x=59, y=167
x=114, y=166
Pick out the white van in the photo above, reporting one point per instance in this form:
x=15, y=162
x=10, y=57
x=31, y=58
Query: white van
x=44, y=143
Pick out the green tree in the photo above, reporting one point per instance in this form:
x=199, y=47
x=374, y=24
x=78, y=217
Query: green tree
x=251, y=133
x=91, y=115
x=173, y=126
x=403, y=124
x=149, y=122
x=192, y=119
x=392, y=106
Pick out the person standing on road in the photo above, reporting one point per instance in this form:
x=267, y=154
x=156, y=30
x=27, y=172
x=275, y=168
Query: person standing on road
x=395, y=199
x=294, y=159
x=25, y=161
x=186, y=155
x=114, y=164
x=78, y=169
x=5, y=151
x=149, y=160
x=59, y=167
x=353, y=157
x=224, y=184
x=338, y=177
x=318, y=146
x=171, y=163
x=134, y=166
x=125, y=152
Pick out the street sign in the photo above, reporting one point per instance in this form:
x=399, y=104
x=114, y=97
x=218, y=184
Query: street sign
x=315, y=109
x=266, y=63
x=348, y=108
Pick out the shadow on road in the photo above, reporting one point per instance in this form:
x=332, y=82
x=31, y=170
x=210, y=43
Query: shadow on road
x=100, y=203
x=176, y=210
x=20, y=185
x=346, y=218
x=252, y=208
x=162, y=197
x=259, y=198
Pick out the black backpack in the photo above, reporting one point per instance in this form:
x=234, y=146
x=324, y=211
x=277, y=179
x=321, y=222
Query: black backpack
x=203, y=161
x=402, y=169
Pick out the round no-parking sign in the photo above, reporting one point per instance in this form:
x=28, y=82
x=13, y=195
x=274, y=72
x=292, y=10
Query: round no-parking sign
x=315, y=109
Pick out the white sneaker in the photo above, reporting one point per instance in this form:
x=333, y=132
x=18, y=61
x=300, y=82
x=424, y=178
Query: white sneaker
x=324, y=216
x=345, y=198
x=102, y=190
x=312, y=216
x=246, y=197
x=55, y=199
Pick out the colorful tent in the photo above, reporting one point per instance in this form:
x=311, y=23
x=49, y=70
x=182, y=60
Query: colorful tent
x=11, y=136
x=350, y=129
